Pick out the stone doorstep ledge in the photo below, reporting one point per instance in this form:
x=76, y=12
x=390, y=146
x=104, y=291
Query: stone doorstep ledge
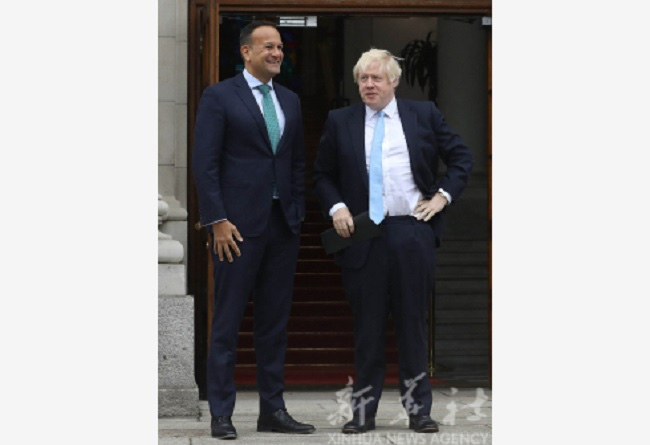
x=178, y=393
x=175, y=402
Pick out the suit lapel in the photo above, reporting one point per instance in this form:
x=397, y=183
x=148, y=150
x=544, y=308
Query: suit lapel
x=409, y=120
x=357, y=128
x=246, y=95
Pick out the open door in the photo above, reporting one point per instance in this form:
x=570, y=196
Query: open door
x=320, y=328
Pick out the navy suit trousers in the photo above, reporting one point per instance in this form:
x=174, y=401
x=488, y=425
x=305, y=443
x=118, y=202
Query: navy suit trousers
x=264, y=271
x=396, y=279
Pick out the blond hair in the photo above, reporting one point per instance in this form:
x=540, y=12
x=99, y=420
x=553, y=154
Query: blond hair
x=386, y=61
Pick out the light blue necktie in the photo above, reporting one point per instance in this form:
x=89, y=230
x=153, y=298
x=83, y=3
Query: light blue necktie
x=270, y=117
x=375, y=172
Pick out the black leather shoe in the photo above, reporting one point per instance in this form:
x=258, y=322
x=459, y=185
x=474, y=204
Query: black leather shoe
x=423, y=424
x=222, y=428
x=282, y=422
x=355, y=426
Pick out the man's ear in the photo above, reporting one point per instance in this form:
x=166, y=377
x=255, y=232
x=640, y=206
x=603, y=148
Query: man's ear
x=245, y=50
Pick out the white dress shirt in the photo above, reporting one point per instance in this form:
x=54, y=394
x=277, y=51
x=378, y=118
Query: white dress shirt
x=400, y=194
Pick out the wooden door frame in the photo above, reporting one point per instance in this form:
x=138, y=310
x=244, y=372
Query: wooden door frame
x=489, y=184
x=197, y=252
x=364, y=7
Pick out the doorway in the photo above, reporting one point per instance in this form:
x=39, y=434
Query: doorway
x=317, y=66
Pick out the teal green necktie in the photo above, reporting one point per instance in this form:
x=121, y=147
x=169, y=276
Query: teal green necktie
x=270, y=117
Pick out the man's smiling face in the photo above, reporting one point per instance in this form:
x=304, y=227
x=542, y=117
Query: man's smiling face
x=263, y=57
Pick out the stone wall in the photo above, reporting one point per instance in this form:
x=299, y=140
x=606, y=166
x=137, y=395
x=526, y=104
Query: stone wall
x=177, y=389
x=178, y=393
x=172, y=99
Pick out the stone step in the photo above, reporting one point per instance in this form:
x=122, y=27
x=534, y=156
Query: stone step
x=462, y=258
x=457, y=251
x=315, y=225
x=453, y=365
x=316, y=252
x=312, y=374
x=312, y=205
x=313, y=253
x=447, y=297
x=461, y=316
x=451, y=347
x=313, y=339
x=461, y=301
x=311, y=280
x=454, y=271
x=321, y=308
x=456, y=361
x=313, y=308
x=330, y=356
x=317, y=266
x=323, y=315
x=455, y=286
x=319, y=293
x=460, y=245
x=460, y=366
x=463, y=281
x=310, y=239
x=306, y=324
x=461, y=331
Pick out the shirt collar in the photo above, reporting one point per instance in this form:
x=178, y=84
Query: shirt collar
x=253, y=81
x=389, y=110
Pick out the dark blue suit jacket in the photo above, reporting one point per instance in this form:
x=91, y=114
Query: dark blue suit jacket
x=340, y=173
x=234, y=166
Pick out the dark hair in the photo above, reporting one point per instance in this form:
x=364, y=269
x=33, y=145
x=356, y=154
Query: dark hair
x=245, y=33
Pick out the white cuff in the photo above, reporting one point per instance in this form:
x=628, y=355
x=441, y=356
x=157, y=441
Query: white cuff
x=335, y=207
x=214, y=222
x=446, y=195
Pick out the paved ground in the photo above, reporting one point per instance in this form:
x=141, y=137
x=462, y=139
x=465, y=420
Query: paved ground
x=465, y=417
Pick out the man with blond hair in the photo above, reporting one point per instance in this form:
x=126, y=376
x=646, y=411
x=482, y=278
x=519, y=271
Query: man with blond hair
x=381, y=157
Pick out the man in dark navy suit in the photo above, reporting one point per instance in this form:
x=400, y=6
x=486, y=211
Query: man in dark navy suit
x=381, y=156
x=249, y=167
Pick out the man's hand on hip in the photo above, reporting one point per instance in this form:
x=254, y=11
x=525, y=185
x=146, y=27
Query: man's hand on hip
x=343, y=223
x=427, y=208
x=225, y=233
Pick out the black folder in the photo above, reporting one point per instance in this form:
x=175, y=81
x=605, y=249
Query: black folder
x=364, y=228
